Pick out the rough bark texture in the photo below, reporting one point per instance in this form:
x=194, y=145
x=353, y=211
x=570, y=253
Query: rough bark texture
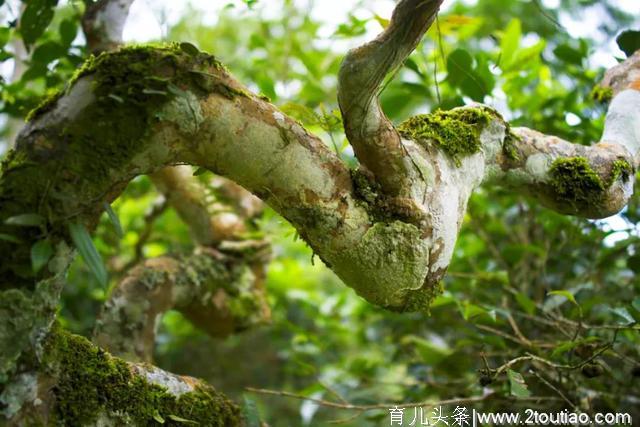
x=220, y=292
x=138, y=109
x=216, y=291
x=79, y=384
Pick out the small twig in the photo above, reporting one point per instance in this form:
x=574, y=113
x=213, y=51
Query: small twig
x=347, y=419
x=332, y=391
x=533, y=357
x=504, y=335
x=364, y=408
x=513, y=323
x=554, y=388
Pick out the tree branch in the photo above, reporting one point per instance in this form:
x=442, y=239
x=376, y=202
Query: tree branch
x=373, y=137
x=81, y=384
x=218, y=292
x=103, y=23
x=194, y=285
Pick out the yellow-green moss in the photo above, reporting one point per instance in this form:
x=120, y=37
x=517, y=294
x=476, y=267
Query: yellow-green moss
x=456, y=132
x=620, y=169
x=575, y=181
x=47, y=104
x=601, y=94
x=90, y=382
x=509, y=147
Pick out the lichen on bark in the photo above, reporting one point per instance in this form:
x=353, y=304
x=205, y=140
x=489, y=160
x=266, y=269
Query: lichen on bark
x=399, y=255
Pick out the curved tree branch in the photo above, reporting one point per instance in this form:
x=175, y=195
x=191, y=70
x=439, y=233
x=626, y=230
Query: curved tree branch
x=373, y=137
x=194, y=285
x=103, y=23
x=219, y=293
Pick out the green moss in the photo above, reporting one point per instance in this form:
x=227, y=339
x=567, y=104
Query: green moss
x=620, y=169
x=135, y=87
x=509, y=145
x=574, y=180
x=456, y=132
x=601, y=94
x=17, y=319
x=90, y=382
x=379, y=206
x=47, y=104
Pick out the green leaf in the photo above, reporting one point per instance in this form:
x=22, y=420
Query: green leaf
x=636, y=304
x=624, y=314
x=518, y=386
x=68, y=31
x=459, y=62
x=413, y=66
x=114, y=220
x=267, y=86
x=5, y=34
x=430, y=353
x=510, y=43
x=189, y=48
x=300, y=112
x=526, y=303
x=569, y=54
x=180, y=419
x=250, y=412
x=526, y=56
x=568, y=295
x=629, y=42
x=47, y=52
x=158, y=417
x=26, y=220
x=84, y=244
x=41, y=251
x=9, y=238
x=471, y=312
x=200, y=171
x=633, y=263
x=35, y=19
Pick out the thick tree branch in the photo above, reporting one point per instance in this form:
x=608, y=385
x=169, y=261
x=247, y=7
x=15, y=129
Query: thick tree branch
x=103, y=23
x=373, y=137
x=78, y=383
x=218, y=292
x=127, y=324
x=211, y=218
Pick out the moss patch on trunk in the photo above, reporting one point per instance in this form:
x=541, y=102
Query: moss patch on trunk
x=456, y=132
x=91, y=382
